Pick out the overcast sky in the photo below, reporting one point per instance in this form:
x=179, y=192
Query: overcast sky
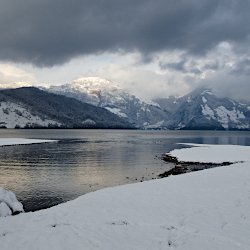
x=152, y=47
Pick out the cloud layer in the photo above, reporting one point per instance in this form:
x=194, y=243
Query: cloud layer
x=152, y=47
x=46, y=33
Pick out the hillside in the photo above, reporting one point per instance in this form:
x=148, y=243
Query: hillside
x=32, y=107
x=202, y=109
x=106, y=94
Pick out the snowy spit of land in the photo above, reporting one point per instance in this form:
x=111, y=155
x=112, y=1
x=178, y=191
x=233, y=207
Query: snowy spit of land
x=21, y=141
x=212, y=153
x=208, y=209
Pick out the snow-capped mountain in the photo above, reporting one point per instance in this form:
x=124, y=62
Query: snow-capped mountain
x=106, y=94
x=32, y=107
x=202, y=109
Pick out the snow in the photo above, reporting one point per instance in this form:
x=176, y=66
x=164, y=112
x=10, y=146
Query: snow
x=232, y=101
x=207, y=92
x=21, y=141
x=89, y=122
x=93, y=85
x=208, y=209
x=212, y=153
x=9, y=203
x=12, y=115
x=225, y=116
x=204, y=99
x=96, y=86
x=116, y=111
x=155, y=126
x=4, y=209
x=207, y=111
x=146, y=101
x=107, y=94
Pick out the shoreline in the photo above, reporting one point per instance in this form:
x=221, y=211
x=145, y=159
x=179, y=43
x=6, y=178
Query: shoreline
x=200, y=210
x=179, y=167
x=4, y=142
x=183, y=167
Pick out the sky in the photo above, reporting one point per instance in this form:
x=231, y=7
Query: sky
x=154, y=48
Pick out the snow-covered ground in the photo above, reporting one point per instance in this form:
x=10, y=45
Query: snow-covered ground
x=208, y=209
x=21, y=141
x=212, y=153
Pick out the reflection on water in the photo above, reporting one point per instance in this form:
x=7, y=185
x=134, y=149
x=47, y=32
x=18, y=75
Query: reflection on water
x=43, y=175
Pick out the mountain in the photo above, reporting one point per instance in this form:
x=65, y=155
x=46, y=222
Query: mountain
x=106, y=94
x=202, y=109
x=32, y=107
x=111, y=107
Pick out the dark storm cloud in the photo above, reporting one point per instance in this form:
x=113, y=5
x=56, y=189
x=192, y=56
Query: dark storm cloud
x=46, y=32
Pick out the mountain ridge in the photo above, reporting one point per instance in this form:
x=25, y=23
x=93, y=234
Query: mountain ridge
x=202, y=109
x=94, y=90
x=56, y=110
x=199, y=109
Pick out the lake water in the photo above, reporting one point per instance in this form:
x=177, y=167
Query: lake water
x=43, y=175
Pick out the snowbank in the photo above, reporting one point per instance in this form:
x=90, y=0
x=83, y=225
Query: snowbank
x=202, y=210
x=21, y=141
x=212, y=153
x=9, y=204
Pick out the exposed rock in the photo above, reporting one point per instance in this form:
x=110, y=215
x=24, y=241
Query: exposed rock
x=181, y=167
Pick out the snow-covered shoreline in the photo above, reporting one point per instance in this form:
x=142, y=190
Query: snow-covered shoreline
x=201, y=210
x=212, y=153
x=21, y=141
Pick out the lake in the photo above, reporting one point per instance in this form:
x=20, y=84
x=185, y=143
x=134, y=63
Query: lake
x=82, y=161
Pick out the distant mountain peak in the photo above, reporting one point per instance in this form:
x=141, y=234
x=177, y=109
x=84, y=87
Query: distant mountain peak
x=94, y=84
x=106, y=94
x=203, y=109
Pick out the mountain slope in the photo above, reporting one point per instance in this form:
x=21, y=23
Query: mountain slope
x=105, y=94
x=202, y=109
x=32, y=107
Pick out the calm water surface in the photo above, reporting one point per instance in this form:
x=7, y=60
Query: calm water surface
x=43, y=175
